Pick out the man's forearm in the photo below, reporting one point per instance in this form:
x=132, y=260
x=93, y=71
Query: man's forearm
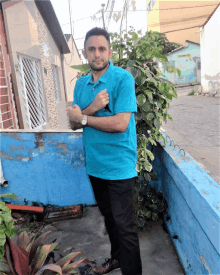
x=112, y=124
x=89, y=111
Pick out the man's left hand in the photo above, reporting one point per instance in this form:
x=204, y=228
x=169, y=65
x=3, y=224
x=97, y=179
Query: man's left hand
x=75, y=114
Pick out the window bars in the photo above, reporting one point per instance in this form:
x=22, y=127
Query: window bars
x=6, y=118
x=56, y=82
x=32, y=88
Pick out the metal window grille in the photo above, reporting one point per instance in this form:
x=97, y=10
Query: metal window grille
x=6, y=118
x=32, y=88
x=56, y=82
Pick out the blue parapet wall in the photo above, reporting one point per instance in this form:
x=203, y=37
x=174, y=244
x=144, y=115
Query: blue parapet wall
x=193, y=217
x=45, y=168
x=48, y=168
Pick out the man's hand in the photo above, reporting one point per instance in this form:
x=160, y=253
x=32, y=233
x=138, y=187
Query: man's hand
x=75, y=114
x=101, y=100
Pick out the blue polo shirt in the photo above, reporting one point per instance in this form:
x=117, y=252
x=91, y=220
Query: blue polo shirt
x=110, y=156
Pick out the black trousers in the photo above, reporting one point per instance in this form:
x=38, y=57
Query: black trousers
x=115, y=202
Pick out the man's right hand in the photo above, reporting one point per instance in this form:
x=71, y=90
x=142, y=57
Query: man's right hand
x=101, y=100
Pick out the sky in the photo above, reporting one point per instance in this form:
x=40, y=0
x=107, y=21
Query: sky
x=86, y=9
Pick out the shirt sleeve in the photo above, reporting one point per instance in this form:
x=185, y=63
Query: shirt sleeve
x=126, y=98
x=75, y=93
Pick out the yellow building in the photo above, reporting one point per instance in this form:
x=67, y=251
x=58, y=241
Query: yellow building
x=179, y=19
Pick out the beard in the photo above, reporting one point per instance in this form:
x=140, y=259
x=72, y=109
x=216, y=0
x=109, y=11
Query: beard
x=98, y=69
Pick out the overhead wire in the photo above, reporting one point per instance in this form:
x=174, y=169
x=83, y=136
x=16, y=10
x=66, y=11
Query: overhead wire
x=71, y=30
x=145, y=11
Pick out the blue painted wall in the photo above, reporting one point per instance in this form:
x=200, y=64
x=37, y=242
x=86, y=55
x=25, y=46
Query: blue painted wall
x=194, y=209
x=45, y=168
x=49, y=168
x=184, y=59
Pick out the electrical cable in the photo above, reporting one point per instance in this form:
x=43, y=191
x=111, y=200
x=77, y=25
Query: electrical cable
x=72, y=52
x=145, y=11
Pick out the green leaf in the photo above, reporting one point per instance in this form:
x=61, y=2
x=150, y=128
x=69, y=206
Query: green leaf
x=52, y=267
x=83, y=68
x=131, y=63
x=154, y=216
x=141, y=222
x=23, y=240
x=150, y=116
x=148, y=214
x=147, y=176
x=148, y=166
x=9, y=195
x=149, y=94
x=139, y=80
x=43, y=253
x=138, y=167
x=67, y=259
x=146, y=107
x=153, y=206
x=134, y=36
x=67, y=268
x=141, y=99
x=168, y=95
x=150, y=154
x=4, y=267
x=157, y=123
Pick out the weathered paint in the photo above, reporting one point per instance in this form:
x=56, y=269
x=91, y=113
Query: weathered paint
x=45, y=168
x=57, y=176
x=194, y=209
x=185, y=59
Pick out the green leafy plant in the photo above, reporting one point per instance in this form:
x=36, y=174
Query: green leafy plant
x=192, y=92
x=6, y=222
x=29, y=255
x=140, y=56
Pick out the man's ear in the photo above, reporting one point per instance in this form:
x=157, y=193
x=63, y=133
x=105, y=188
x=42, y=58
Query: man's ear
x=84, y=54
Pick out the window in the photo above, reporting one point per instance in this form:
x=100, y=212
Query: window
x=151, y=4
x=56, y=82
x=32, y=88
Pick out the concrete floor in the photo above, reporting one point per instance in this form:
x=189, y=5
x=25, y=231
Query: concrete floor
x=195, y=128
x=86, y=235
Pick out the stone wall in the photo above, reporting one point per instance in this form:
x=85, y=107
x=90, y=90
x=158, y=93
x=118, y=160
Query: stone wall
x=47, y=71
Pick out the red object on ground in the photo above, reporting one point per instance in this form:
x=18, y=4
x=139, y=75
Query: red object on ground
x=25, y=208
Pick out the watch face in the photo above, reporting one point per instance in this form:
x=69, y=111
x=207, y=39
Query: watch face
x=84, y=121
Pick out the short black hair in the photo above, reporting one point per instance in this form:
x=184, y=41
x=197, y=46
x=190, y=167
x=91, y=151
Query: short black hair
x=97, y=32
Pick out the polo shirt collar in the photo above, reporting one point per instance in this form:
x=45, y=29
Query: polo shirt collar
x=103, y=78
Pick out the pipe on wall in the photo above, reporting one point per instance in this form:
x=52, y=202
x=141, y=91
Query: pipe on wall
x=3, y=182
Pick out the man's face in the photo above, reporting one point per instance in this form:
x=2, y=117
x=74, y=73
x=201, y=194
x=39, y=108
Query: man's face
x=97, y=52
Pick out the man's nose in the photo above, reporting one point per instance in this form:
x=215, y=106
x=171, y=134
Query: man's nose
x=97, y=53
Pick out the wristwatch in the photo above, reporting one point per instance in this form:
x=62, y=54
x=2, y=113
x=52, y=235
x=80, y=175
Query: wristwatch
x=84, y=120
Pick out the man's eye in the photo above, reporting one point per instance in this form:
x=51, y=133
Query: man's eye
x=101, y=49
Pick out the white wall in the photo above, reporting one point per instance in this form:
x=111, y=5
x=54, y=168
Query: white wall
x=210, y=54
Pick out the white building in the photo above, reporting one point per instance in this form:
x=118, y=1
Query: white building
x=210, y=53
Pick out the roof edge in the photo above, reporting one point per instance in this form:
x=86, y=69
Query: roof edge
x=207, y=20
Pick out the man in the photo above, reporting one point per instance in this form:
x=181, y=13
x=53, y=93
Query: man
x=104, y=105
